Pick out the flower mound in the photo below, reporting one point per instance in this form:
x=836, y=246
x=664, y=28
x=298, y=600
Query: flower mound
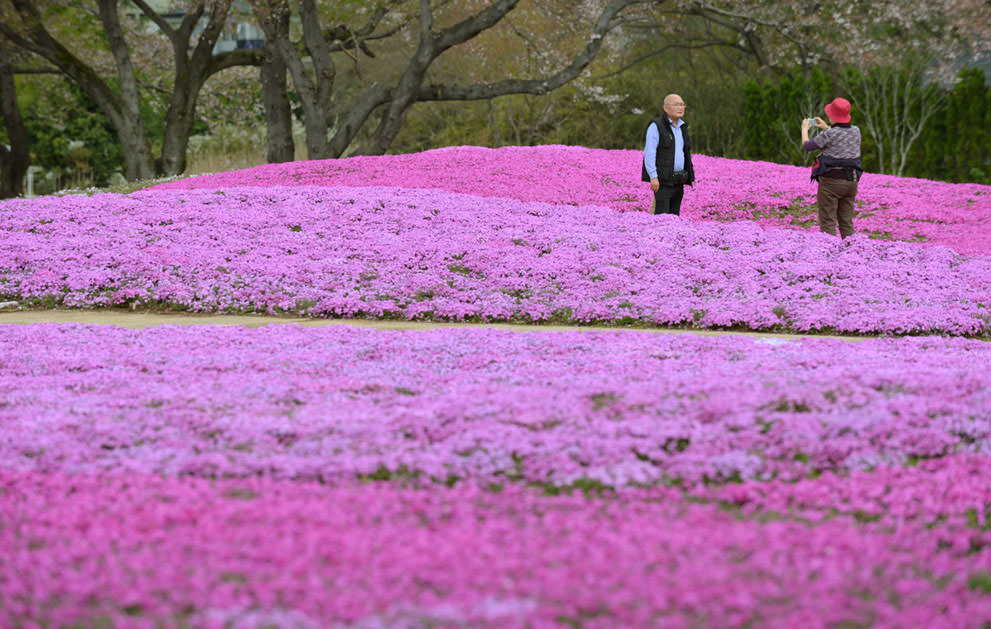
x=388, y=252
x=774, y=195
x=146, y=551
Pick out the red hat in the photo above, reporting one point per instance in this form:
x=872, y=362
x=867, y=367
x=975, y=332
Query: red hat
x=839, y=110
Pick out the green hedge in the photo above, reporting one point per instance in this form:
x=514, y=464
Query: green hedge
x=955, y=146
x=952, y=147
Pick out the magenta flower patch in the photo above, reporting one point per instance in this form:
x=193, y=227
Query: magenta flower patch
x=774, y=195
x=136, y=550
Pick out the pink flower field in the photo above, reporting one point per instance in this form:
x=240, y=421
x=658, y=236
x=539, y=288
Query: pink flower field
x=213, y=476
x=347, y=477
x=774, y=195
x=428, y=254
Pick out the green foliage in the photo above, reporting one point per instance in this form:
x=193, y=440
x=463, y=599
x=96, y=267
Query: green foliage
x=774, y=112
x=979, y=520
x=955, y=147
x=55, y=118
x=757, y=131
x=980, y=582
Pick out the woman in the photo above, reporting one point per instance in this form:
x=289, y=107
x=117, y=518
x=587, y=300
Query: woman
x=838, y=167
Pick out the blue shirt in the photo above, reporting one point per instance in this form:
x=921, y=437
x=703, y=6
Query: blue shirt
x=650, y=148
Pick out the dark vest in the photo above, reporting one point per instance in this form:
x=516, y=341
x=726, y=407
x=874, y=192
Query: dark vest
x=665, y=152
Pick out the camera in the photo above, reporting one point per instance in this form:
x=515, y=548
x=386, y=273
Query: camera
x=812, y=121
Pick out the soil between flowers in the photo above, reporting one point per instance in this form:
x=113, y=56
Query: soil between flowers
x=145, y=319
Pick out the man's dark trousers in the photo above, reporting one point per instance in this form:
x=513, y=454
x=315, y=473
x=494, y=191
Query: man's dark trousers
x=667, y=199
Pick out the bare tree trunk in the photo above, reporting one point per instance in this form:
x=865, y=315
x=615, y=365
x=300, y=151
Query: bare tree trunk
x=356, y=117
x=130, y=127
x=14, y=162
x=315, y=90
x=275, y=95
x=191, y=72
x=411, y=87
x=123, y=104
x=430, y=47
x=175, y=136
x=123, y=114
x=323, y=63
x=278, y=115
x=179, y=116
x=273, y=17
x=186, y=91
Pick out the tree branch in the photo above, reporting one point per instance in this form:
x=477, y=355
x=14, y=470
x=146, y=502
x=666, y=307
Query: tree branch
x=472, y=26
x=605, y=23
x=661, y=50
x=37, y=71
x=234, y=58
x=157, y=19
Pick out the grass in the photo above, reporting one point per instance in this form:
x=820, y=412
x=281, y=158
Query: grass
x=219, y=155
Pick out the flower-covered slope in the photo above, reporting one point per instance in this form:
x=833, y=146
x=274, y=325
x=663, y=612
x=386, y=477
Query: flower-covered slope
x=775, y=195
x=390, y=252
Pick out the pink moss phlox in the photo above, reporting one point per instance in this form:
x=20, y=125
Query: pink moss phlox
x=619, y=409
x=142, y=551
x=390, y=252
x=775, y=195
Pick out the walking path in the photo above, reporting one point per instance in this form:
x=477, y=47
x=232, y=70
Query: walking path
x=138, y=320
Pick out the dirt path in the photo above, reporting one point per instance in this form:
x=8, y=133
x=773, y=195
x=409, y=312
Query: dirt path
x=138, y=320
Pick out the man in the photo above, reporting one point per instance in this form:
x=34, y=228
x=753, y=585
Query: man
x=838, y=167
x=667, y=157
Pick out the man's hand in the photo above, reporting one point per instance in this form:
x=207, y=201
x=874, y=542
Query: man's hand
x=655, y=184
